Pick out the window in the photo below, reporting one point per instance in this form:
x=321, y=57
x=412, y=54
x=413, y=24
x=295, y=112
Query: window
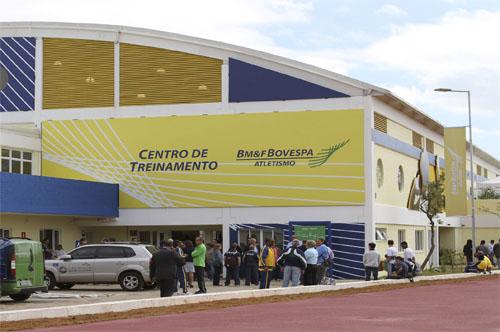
x=419, y=240
x=16, y=161
x=401, y=179
x=53, y=235
x=401, y=238
x=380, y=123
x=83, y=253
x=5, y=232
x=380, y=234
x=111, y=252
x=485, y=171
x=429, y=145
x=478, y=170
x=380, y=173
x=417, y=140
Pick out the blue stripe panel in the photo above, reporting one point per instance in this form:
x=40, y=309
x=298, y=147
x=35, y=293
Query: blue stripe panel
x=350, y=263
x=17, y=66
x=349, y=234
x=348, y=227
x=348, y=242
x=392, y=143
x=351, y=256
x=249, y=82
x=29, y=194
x=347, y=248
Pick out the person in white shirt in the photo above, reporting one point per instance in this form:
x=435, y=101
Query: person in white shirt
x=371, y=261
x=390, y=257
x=311, y=255
x=408, y=254
x=59, y=252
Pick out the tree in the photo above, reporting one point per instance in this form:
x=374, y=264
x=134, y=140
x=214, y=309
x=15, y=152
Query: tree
x=432, y=203
x=488, y=193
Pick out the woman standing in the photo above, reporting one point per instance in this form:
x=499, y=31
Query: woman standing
x=189, y=267
x=468, y=252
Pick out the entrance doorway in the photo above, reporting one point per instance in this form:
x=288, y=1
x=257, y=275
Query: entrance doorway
x=185, y=235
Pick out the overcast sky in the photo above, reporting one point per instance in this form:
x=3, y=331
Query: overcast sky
x=409, y=47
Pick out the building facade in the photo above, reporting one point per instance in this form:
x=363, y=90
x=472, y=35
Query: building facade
x=207, y=138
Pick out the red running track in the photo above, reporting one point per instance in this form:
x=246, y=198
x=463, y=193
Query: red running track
x=467, y=306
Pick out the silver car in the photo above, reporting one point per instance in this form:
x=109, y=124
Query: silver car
x=126, y=264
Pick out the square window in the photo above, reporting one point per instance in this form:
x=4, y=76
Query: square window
x=419, y=240
x=380, y=234
x=16, y=154
x=27, y=155
x=5, y=165
x=401, y=238
x=16, y=166
x=5, y=153
x=27, y=167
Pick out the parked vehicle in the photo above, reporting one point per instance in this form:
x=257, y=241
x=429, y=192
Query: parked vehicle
x=125, y=264
x=21, y=268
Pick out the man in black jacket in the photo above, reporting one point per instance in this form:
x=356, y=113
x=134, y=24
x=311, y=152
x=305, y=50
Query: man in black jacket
x=163, y=267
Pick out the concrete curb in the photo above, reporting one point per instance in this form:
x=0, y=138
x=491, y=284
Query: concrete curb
x=121, y=306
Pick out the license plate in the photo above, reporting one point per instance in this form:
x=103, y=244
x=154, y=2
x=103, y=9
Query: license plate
x=24, y=283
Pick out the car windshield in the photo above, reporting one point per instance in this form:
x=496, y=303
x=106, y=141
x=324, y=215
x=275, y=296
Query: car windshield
x=151, y=249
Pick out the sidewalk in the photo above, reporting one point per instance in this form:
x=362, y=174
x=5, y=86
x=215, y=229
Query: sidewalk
x=121, y=306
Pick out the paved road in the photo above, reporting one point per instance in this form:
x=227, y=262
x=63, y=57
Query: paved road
x=468, y=306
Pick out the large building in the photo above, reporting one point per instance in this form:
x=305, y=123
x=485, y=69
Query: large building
x=145, y=135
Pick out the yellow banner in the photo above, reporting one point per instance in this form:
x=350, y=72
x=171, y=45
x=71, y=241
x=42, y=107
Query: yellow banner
x=455, y=175
x=262, y=159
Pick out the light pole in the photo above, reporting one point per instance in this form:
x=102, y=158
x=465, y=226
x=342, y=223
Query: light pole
x=471, y=150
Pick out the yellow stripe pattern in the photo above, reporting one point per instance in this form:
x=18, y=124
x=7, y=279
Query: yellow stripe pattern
x=77, y=73
x=153, y=76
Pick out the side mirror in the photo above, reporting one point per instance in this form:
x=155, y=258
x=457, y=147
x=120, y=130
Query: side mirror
x=65, y=257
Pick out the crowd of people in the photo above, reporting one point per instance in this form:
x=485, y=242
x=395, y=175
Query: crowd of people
x=487, y=256
x=177, y=264
x=397, y=267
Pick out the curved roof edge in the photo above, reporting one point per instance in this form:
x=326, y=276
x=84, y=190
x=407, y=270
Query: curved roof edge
x=369, y=89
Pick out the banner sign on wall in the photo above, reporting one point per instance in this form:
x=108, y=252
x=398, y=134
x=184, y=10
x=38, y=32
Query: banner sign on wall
x=455, y=175
x=261, y=159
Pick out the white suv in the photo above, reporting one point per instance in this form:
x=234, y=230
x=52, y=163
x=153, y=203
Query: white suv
x=126, y=264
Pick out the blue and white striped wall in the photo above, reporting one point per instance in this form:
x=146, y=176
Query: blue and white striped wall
x=17, y=70
x=347, y=240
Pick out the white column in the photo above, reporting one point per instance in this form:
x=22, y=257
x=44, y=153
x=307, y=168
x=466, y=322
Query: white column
x=369, y=152
x=38, y=81
x=225, y=85
x=117, y=72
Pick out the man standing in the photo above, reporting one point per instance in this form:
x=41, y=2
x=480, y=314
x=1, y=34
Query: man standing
x=267, y=262
x=198, y=255
x=294, y=261
x=322, y=260
x=232, y=260
x=180, y=276
x=483, y=248
x=251, y=261
x=371, y=261
x=390, y=257
x=163, y=267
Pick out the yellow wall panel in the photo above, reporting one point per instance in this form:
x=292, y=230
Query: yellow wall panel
x=398, y=131
x=77, y=73
x=389, y=192
x=152, y=76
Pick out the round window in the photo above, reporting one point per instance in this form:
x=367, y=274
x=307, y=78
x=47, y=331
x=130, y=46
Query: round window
x=380, y=173
x=401, y=179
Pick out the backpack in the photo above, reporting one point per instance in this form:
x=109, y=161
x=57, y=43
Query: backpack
x=329, y=260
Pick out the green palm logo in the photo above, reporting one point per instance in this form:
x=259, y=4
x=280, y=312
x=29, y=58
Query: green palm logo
x=325, y=154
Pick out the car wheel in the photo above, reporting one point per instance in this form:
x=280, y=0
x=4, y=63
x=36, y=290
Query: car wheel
x=20, y=296
x=131, y=281
x=66, y=285
x=50, y=280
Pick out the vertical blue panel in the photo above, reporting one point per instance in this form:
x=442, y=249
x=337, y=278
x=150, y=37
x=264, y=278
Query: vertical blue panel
x=348, y=244
x=17, y=69
x=249, y=82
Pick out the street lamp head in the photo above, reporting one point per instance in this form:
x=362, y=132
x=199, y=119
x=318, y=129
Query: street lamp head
x=442, y=90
